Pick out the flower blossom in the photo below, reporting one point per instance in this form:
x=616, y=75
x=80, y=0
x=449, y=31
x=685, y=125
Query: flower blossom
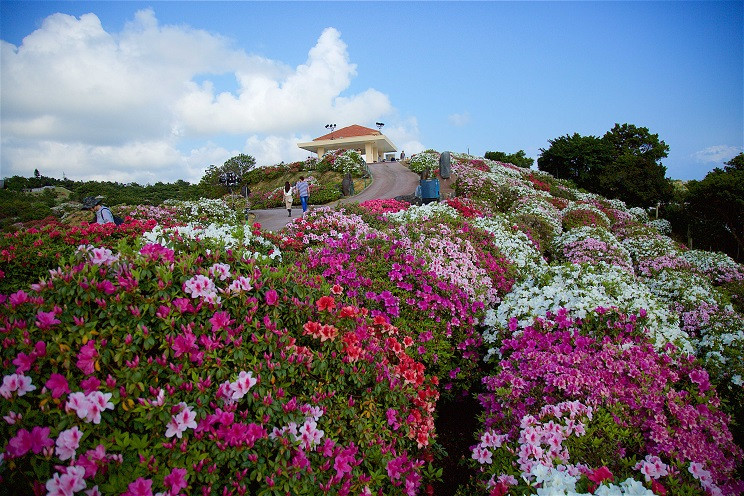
x=68, y=442
x=242, y=385
x=181, y=421
x=70, y=482
x=16, y=383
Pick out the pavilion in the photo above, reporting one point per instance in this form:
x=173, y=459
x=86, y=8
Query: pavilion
x=368, y=142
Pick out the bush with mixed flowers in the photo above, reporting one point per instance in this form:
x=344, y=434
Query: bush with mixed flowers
x=192, y=368
x=590, y=400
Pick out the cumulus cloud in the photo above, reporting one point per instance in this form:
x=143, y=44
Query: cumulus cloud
x=717, y=154
x=123, y=106
x=459, y=119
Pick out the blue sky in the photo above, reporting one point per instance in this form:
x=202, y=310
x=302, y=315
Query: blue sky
x=148, y=91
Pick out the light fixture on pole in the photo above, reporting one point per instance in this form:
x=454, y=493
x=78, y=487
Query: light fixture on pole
x=379, y=125
x=332, y=127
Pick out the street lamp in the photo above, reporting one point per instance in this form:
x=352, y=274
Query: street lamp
x=379, y=125
x=331, y=127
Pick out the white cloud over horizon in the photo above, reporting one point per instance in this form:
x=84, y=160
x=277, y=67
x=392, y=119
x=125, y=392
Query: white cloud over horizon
x=123, y=106
x=717, y=154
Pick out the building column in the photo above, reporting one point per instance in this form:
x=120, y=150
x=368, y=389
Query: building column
x=368, y=153
x=321, y=151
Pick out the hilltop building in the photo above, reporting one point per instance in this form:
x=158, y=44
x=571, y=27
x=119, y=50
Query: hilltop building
x=368, y=142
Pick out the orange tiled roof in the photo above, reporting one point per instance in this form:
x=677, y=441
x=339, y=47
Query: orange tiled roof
x=349, y=132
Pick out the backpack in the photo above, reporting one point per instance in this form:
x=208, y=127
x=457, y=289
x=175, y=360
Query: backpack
x=117, y=220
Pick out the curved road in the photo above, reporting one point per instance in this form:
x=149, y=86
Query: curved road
x=389, y=179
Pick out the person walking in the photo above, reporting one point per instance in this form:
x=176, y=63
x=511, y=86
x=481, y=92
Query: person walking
x=303, y=189
x=102, y=212
x=288, y=197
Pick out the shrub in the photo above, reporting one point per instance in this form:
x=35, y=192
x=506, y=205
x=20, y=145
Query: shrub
x=594, y=394
x=204, y=370
x=424, y=162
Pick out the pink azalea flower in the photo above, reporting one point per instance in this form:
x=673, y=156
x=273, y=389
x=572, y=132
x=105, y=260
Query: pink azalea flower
x=67, y=484
x=18, y=298
x=68, y=442
x=181, y=421
x=271, y=297
x=700, y=377
x=102, y=256
x=220, y=320
x=309, y=435
x=242, y=385
x=482, y=455
x=86, y=359
x=25, y=441
x=23, y=362
x=16, y=383
x=140, y=487
x=176, y=480
x=45, y=320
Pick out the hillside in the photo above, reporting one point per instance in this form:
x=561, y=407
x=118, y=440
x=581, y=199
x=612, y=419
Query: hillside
x=186, y=352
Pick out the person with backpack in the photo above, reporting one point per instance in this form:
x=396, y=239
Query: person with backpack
x=103, y=213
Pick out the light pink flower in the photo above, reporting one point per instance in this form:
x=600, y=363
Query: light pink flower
x=68, y=442
x=240, y=387
x=16, y=383
x=181, y=421
x=67, y=484
x=482, y=455
x=309, y=435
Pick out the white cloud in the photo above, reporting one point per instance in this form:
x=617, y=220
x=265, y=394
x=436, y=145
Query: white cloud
x=717, y=154
x=459, y=119
x=122, y=106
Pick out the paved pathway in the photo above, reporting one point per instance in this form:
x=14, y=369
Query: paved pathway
x=389, y=179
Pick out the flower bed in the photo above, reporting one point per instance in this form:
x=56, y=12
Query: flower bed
x=205, y=371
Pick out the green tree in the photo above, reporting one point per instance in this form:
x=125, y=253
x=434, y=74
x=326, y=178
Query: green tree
x=635, y=173
x=717, y=202
x=574, y=157
x=240, y=165
x=519, y=159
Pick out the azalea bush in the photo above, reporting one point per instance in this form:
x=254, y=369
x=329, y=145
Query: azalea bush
x=582, y=288
x=424, y=163
x=29, y=254
x=591, y=245
x=591, y=400
x=401, y=276
x=206, y=371
x=350, y=162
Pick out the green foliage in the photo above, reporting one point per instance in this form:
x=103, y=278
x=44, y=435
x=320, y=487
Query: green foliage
x=574, y=158
x=624, y=164
x=519, y=159
x=240, y=165
x=716, y=204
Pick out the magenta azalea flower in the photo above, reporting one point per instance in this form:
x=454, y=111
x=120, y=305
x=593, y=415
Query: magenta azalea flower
x=45, y=320
x=57, y=383
x=25, y=441
x=176, y=480
x=271, y=297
